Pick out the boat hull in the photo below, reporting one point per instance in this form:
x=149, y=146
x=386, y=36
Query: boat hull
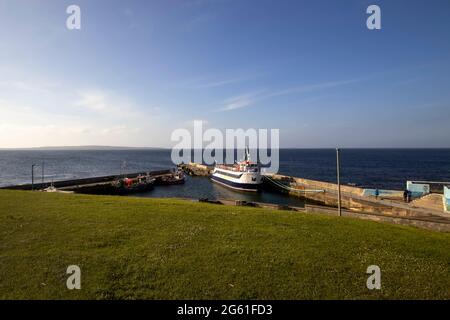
x=133, y=189
x=252, y=187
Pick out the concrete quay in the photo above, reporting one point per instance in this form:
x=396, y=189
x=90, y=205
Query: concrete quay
x=323, y=197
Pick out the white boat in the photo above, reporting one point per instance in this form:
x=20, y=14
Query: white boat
x=52, y=188
x=244, y=175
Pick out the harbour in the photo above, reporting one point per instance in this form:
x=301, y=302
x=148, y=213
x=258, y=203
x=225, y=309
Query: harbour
x=102, y=184
x=279, y=191
x=427, y=209
x=243, y=151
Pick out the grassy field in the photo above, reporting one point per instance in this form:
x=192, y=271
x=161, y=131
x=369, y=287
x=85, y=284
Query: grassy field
x=131, y=248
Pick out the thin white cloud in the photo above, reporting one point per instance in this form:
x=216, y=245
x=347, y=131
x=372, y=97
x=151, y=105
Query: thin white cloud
x=212, y=82
x=128, y=12
x=43, y=114
x=195, y=3
x=311, y=87
x=190, y=123
x=106, y=103
x=29, y=86
x=241, y=101
x=119, y=130
x=92, y=100
x=249, y=99
x=219, y=83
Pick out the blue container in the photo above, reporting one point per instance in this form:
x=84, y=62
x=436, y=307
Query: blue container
x=447, y=198
x=417, y=189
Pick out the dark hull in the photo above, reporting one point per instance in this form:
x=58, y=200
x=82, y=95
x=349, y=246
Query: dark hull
x=170, y=182
x=133, y=189
x=237, y=186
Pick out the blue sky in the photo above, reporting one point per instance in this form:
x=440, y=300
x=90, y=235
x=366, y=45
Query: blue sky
x=137, y=70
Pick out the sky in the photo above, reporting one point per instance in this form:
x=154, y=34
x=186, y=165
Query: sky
x=137, y=70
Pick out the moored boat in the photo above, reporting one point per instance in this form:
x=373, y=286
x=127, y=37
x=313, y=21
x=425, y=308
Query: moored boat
x=177, y=177
x=244, y=175
x=141, y=183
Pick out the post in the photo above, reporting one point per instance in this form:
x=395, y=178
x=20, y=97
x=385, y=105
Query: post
x=338, y=182
x=42, y=174
x=32, y=176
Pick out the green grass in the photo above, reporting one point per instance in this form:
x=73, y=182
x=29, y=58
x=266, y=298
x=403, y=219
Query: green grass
x=132, y=248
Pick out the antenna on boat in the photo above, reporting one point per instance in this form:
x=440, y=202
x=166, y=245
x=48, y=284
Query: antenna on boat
x=123, y=167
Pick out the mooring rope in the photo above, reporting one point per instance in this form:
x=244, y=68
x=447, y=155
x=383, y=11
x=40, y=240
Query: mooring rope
x=285, y=187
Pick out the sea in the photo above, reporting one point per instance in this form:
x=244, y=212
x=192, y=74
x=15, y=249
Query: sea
x=368, y=168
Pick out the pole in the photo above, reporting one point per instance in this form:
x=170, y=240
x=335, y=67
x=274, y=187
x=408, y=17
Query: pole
x=42, y=174
x=32, y=176
x=338, y=182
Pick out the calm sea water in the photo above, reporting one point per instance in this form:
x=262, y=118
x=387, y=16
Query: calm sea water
x=375, y=168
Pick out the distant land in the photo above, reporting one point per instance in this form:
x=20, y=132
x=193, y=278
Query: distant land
x=83, y=148
x=99, y=147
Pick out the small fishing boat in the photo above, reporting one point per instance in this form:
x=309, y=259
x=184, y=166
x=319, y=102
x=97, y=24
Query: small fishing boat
x=177, y=177
x=141, y=183
x=52, y=189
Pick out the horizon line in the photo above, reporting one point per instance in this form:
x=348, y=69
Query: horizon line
x=98, y=147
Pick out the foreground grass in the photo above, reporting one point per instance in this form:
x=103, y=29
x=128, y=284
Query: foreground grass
x=131, y=248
